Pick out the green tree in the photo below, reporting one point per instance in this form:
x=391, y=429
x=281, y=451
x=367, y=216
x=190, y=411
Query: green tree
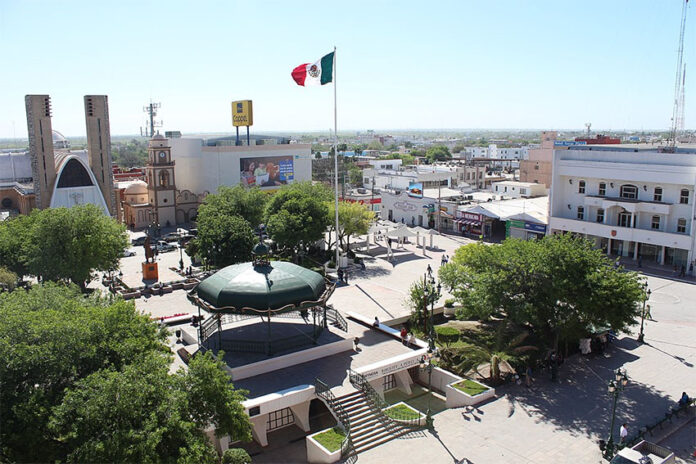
x=236, y=201
x=355, y=175
x=8, y=279
x=417, y=153
x=559, y=286
x=458, y=148
x=223, y=239
x=408, y=144
x=297, y=215
x=503, y=352
x=438, y=153
x=375, y=145
x=235, y=456
x=342, y=147
x=353, y=219
x=15, y=242
x=71, y=243
x=89, y=382
x=421, y=294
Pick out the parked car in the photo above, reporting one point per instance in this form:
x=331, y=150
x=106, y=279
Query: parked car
x=163, y=247
x=140, y=241
x=193, y=232
x=172, y=237
x=186, y=238
x=127, y=253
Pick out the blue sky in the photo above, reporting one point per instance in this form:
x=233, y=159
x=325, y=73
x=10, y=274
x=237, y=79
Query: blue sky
x=401, y=64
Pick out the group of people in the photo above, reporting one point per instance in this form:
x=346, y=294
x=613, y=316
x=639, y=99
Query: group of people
x=343, y=275
x=444, y=260
x=407, y=338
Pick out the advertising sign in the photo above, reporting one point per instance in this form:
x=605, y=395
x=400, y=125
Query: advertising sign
x=540, y=228
x=471, y=216
x=267, y=171
x=415, y=189
x=567, y=143
x=242, y=113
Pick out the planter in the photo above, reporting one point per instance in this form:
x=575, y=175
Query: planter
x=449, y=312
x=418, y=419
x=317, y=453
x=457, y=397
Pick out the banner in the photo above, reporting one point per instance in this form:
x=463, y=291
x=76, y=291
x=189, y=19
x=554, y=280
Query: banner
x=415, y=189
x=267, y=171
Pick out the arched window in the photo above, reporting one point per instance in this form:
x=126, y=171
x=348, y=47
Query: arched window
x=658, y=194
x=164, y=179
x=629, y=191
x=684, y=197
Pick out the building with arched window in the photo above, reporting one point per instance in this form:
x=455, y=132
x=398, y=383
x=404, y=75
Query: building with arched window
x=634, y=202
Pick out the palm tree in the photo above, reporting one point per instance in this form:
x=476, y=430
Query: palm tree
x=496, y=356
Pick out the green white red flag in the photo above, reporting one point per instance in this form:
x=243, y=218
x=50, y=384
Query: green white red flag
x=315, y=74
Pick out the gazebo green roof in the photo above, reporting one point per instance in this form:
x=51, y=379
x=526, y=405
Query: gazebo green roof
x=275, y=285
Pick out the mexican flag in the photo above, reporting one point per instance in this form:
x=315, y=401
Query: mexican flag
x=312, y=74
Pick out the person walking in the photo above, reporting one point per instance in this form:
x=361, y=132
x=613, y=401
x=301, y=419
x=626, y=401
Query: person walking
x=340, y=274
x=623, y=432
x=345, y=276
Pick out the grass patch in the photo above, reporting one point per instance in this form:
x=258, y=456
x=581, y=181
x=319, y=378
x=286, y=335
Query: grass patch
x=470, y=387
x=402, y=412
x=331, y=439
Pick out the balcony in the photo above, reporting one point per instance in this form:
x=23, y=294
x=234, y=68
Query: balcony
x=631, y=205
x=653, y=237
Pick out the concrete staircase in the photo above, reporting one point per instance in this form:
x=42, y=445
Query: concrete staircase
x=368, y=429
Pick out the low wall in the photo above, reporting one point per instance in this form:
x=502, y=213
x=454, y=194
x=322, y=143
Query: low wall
x=317, y=454
x=439, y=380
x=299, y=357
x=457, y=398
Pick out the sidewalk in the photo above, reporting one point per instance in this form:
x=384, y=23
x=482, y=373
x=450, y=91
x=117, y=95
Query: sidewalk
x=656, y=270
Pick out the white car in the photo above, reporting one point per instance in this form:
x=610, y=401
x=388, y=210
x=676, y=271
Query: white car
x=127, y=253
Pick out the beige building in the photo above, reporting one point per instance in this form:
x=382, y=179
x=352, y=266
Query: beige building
x=537, y=169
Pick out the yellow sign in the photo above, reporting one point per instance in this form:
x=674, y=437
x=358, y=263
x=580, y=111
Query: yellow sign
x=242, y=113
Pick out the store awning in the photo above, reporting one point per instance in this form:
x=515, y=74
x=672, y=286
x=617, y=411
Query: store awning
x=467, y=222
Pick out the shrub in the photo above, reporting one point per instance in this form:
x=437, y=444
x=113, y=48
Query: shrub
x=332, y=264
x=235, y=456
x=446, y=335
x=449, y=303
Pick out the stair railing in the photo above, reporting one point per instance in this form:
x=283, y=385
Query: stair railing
x=322, y=390
x=378, y=405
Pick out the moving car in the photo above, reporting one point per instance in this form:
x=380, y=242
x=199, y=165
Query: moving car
x=171, y=237
x=163, y=247
x=127, y=253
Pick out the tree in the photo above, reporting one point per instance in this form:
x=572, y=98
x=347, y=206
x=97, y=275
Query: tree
x=342, y=147
x=458, y=148
x=15, y=241
x=224, y=239
x=355, y=175
x=421, y=295
x=438, y=153
x=89, y=381
x=375, y=145
x=235, y=456
x=353, y=219
x=503, y=352
x=417, y=153
x=236, y=201
x=408, y=144
x=558, y=286
x=71, y=243
x=297, y=215
x=8, y=279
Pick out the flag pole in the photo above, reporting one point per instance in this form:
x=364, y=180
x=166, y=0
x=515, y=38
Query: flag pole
x=335, y=156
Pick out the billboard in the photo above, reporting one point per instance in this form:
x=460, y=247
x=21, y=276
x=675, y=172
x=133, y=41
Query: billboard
x=242, y=113
x=266, y=171
x=415, y=189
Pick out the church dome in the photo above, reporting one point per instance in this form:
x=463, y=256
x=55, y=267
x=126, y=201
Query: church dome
x=59, y=140
x=138, y=187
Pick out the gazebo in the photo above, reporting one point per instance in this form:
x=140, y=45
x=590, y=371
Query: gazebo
x=264, y=289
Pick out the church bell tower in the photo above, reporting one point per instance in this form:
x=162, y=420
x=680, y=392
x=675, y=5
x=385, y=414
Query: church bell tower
x=161, y=187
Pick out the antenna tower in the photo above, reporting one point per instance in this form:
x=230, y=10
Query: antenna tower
x=588, y=125
x=151, y=124
x=677, y=111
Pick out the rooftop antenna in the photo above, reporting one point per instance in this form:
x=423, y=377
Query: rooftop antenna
x=588, y=125
x=151, y=125
x=680, y=117
x=678, y=90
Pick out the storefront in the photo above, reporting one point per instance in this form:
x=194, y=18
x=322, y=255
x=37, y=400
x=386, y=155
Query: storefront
x=469, y=224
x=525, y=230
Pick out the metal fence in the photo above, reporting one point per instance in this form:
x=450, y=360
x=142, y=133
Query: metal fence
x=348, y=454
x=378, y=405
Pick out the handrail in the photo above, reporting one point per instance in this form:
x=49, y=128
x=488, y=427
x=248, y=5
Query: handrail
x=378, y=405
x=334, y=316
x=323, y=391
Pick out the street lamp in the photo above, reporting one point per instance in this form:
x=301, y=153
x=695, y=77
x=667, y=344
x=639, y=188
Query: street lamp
x=616, y=386
x=432, y=293
x=646, y=296
x=181, y=253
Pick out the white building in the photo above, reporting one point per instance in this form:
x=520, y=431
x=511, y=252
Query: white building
x=202, y=168
x=514, y=189
x=633, y=202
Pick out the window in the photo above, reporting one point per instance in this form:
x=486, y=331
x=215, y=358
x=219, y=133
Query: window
x=624, y=219
x=629, y=191
x=681, y=225
x=602, y=189
x=684, y=197
x=581, y=186
x=280, y=418
x=523, y=191
x=655, y=222
x=600, y=215
x=581, y=212
x=389, y=382
x=658, y=194
x=536, y=167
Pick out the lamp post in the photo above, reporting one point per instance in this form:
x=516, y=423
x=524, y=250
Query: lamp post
x=181, y=253
x=426, y=363
x=646, y=296
x=616, y=386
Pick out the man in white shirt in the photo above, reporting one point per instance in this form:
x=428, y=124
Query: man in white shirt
x=623, y=432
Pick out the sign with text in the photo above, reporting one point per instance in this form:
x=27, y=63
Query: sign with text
x=378, y=371
x=242, y=113
x=415, y=190
x=471, y=216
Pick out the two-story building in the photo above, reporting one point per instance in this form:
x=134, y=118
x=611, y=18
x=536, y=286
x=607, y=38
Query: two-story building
x=633, y=202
